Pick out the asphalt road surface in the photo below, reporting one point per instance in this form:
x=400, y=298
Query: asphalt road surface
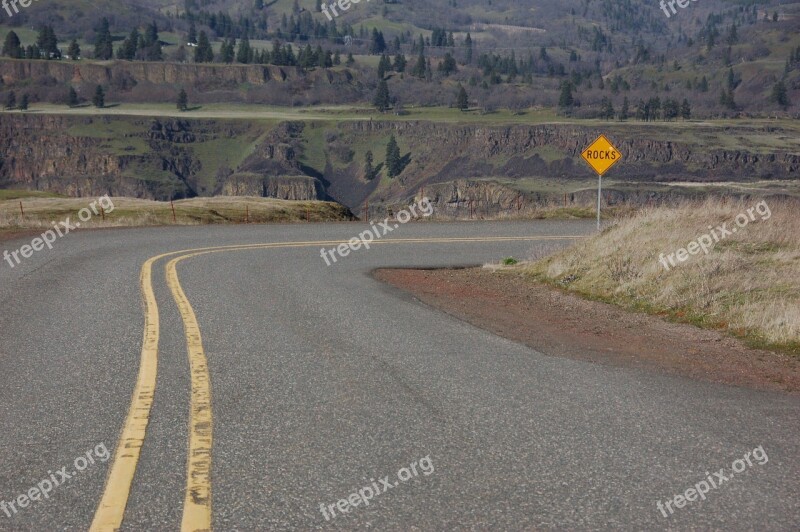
x=289, y=395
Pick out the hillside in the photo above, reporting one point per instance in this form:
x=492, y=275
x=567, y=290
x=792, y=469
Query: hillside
x=585, y=58
x=469, y=164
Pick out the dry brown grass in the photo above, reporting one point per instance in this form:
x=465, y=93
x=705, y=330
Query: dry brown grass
x=748, y=284
x=130, y=212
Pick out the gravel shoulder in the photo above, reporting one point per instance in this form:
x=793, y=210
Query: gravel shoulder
x=560, y=324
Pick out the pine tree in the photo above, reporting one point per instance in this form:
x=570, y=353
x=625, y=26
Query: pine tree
x=686, y=110
x=243, y=55
x=74, y=50
x=419, y=68
x=152, y=44
x=369, y=170
x=12, y=47
x=382, y=100
x=378, y=43
x=24, y=102
x=72, y=99
x=624, y=113
x=183, y=101
x=468, y=46
x=103, y=44
x=192, y=37
x=780, y=94
x=384, y=65
x=129, y=46
x=11, y=100
x=448, y=65
x=99, y=99
x=400, y=63
x=203, y=53
x=606, y=108
x=48, y=43
x=393, y=161
x=462, y=99
x=565, y=99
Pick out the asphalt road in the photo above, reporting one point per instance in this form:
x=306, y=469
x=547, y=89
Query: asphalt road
x=323, y=379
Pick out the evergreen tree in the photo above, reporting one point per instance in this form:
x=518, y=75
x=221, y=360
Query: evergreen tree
x=393, y=161
x=448, y=65
x=606, y=108
x=104, y=44
x=369, y=170
x=686, y=110
x=99, y=99
x=72, y=99
x=24, y=102
x=420, y=67
x=378, y=43
x=624, y=113
x=12, y=47
x=48, y=43
x=11, y=100
x=129, y=46
x=74, y=50
x=384, y=65
x=183, y=101
x=350, y=59
x=400, y=63
x=468, y=46
x=726, y=99
x=152, y=44
x=203, y=53
x=462, y=98
x=780, y=94
x=243, y=55
x=565, y=99
x=672, y=110
x=192, y=37
x=382, y=100
x=731, y=80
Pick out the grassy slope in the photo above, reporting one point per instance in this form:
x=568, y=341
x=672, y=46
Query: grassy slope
x=748, y=284
x=129, y=212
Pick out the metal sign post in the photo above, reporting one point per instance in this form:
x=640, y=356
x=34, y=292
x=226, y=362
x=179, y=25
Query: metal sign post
x=601, y=155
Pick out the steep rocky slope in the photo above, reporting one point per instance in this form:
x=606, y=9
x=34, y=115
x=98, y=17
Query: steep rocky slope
x=493, y=167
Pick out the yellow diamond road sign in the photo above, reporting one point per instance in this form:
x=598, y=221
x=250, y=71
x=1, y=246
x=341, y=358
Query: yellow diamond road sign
x=601, y=155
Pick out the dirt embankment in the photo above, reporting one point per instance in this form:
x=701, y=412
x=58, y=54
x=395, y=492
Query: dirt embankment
x=560, y=324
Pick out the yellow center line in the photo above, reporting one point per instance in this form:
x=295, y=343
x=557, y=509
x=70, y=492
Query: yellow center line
x=197, y=502
x=197, y=499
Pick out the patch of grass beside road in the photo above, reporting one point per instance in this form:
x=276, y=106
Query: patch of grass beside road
x=747, y=285
x=130, y=212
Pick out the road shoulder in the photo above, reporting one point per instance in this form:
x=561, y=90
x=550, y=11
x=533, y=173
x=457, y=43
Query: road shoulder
x=561, y=324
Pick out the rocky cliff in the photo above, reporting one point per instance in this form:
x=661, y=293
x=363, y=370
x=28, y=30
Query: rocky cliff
x=458, y=164
x=140, y=81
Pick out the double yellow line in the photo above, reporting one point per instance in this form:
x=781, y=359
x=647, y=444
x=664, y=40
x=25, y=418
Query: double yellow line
x=197, y=500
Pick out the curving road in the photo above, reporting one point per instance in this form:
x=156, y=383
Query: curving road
x=293, y=395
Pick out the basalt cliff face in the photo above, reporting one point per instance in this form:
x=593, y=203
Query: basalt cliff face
x=131, y=81
x=465, y=168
